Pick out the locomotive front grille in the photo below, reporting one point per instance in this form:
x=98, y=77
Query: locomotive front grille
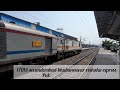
x=2, y=44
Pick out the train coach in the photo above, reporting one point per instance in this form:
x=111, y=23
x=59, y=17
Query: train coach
x=19, y=44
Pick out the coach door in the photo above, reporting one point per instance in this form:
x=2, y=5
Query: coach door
x=48, y=45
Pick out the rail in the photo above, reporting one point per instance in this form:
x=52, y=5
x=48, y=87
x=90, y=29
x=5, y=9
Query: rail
x=77, y=62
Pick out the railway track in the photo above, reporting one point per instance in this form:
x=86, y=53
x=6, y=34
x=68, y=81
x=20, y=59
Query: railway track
x=74, y=59
x=86, y=60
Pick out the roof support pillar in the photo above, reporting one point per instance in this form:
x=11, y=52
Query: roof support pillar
x=119, y=50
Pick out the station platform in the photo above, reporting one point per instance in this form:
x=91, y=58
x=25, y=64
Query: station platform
x=84, y=48
x=106, y=57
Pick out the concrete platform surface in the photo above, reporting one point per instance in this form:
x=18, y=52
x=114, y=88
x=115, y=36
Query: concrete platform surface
x=106, y=57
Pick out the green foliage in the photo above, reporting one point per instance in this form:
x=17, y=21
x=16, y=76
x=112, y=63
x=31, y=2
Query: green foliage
x=107, y=44
x=114, y=45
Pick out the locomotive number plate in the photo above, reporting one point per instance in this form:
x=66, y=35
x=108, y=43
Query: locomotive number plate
x=36, y=43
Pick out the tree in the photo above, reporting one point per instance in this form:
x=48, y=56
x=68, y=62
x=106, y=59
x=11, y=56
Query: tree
x=107, y=44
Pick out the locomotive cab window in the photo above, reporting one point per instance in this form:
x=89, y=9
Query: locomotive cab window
x=72, y=43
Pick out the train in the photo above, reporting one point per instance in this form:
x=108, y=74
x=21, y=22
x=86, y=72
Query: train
x=19, y=44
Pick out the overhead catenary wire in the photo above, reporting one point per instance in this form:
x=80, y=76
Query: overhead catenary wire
x=26, y=18
x=88, y=18
x=48, y=19
x=78, y=16
x=38, y=18
x=43, y=16
x=16, y=14
x=84, y=20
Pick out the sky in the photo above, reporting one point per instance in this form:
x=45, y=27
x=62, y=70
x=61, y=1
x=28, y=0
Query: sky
x=74, y=23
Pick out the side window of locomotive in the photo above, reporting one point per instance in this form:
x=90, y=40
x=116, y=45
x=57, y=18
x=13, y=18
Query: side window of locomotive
x=57, y=40
x=72, y=43
x=60, y=41
x=66, y=41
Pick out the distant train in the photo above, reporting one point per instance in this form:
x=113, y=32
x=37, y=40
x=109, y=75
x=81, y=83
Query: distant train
x=18, y=44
